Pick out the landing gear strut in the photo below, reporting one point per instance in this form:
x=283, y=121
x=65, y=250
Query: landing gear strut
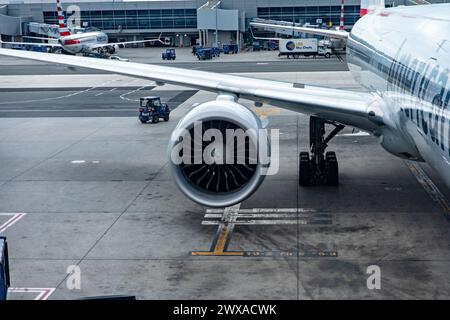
x=316, y=166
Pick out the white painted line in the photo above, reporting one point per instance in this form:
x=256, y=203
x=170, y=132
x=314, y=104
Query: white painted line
x=356, y=134
x=256, y=215
x=13, y=220
x=257, y=222
x=100, y=93
x=43, y=293
x=84, y=161
x=59, y=97
x=232, y=210
x=393, y=189
x=123, y=96
x=265, y=210
x=230, y=215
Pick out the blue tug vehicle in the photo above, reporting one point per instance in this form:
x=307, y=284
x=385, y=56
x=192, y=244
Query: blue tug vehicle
x=152, y=109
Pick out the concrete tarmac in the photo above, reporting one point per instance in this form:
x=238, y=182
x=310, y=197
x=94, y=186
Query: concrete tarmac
x=96, y=193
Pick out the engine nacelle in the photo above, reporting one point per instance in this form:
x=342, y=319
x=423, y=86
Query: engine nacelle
x=228, y=156
x=113, y=49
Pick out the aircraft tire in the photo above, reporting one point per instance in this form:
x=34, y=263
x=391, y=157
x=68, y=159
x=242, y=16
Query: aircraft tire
x=304, y=170
x=331, y=169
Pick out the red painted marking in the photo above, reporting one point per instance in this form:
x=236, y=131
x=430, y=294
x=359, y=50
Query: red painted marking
x=384, y=14
x=363, y=12
x=71, y=42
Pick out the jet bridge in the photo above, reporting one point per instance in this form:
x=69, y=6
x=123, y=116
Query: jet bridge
x=278, y=26
x=43, y=29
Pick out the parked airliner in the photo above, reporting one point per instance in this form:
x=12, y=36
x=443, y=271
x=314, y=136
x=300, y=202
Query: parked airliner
x=80, y=43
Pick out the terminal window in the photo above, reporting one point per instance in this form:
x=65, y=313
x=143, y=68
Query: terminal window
x=134, y=19
x=328, y=14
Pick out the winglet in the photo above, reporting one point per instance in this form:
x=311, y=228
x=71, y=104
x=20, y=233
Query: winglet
x=62, y=27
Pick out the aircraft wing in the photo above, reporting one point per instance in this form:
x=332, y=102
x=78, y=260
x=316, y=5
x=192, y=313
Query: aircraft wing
x=321, y=32
x=125, y=43
x=346, y=107
x=39, y=38
x=39, y=44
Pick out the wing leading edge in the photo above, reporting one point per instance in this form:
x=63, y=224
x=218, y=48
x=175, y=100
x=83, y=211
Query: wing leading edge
x=346, y=107
x=37, y=44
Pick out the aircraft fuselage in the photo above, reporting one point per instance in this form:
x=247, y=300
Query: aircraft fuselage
x=403, y=54
x=83, y=42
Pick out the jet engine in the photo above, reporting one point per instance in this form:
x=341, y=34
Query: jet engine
x=219, y=153
x=113, y=49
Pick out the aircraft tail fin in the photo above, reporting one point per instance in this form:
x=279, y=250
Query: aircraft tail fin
x=63, y=30
x=341, y=20
x=370, y=5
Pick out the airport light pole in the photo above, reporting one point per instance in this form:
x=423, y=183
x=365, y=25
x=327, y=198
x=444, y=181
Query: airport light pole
x=217, y=32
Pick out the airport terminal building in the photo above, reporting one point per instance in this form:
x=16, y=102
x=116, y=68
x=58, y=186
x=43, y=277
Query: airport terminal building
x=184, y=22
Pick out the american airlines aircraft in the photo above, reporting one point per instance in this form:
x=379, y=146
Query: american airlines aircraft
x=80, y=43
x=401, y=55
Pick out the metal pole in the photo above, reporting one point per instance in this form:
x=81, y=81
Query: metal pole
x=217, y=32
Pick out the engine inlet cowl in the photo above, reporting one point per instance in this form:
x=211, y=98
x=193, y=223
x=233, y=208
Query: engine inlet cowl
x=215, y=155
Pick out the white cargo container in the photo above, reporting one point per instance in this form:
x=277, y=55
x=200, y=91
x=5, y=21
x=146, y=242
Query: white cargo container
x=306, y=47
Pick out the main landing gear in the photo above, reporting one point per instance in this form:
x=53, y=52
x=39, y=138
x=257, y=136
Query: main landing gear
x=316, y=166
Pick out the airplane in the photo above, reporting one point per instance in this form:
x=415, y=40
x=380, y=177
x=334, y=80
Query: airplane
x=400, y=55
x=86, y=43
